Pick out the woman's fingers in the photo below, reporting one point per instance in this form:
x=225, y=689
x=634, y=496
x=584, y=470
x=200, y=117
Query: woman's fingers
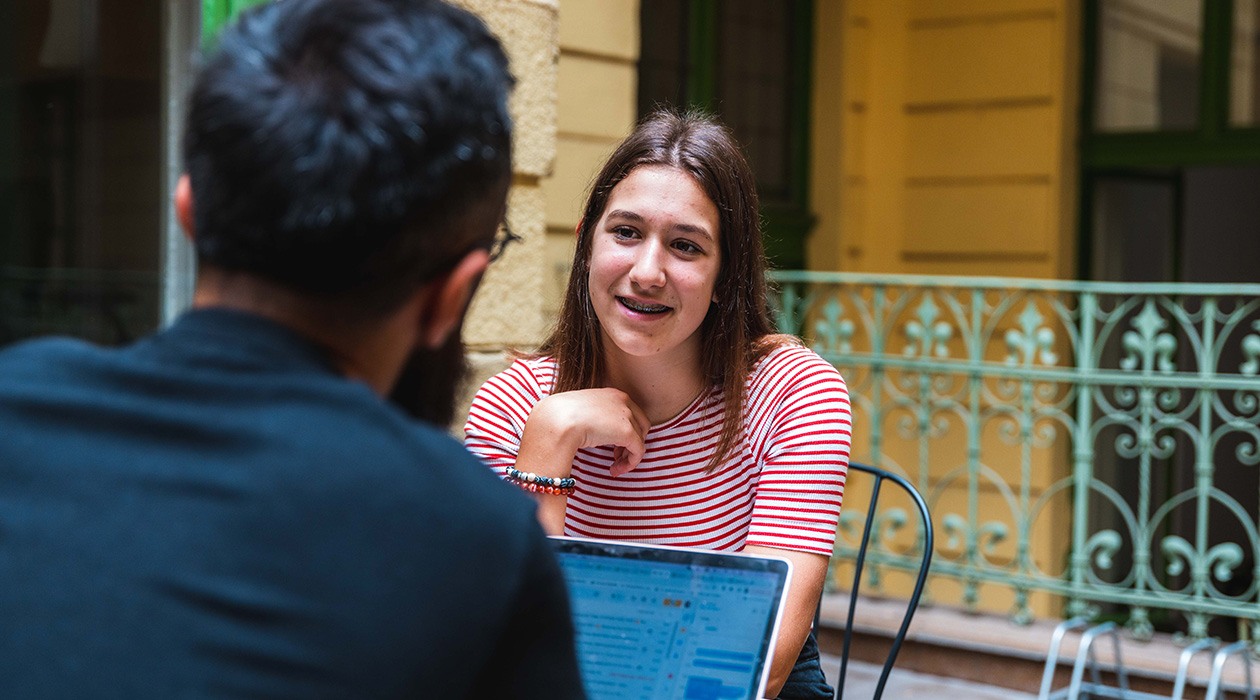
x=627, y=457
x=621, y=461
x=629, y=452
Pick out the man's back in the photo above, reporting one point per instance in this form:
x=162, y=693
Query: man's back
x=217, y=512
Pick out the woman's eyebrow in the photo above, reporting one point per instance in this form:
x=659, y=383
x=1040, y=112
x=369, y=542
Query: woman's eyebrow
x=624, y=214
x=636, y=218
x=697, y=230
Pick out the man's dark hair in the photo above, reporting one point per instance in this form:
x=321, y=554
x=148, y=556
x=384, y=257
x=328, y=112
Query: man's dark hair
x=330, y=143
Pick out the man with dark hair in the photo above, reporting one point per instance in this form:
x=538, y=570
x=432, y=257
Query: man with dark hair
x=230, y=508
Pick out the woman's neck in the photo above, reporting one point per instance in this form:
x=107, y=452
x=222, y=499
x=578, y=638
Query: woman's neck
x=662, y=387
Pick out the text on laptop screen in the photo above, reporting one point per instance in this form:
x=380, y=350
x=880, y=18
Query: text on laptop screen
x=650, y=629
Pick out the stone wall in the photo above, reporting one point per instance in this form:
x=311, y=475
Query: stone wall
x=510, y=308
x=575, y=66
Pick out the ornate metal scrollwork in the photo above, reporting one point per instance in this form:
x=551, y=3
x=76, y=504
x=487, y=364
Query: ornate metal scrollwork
x=1147, y=347
x=1052, y=424
x=1032, y=341
x=835, y=331
x=1251, y=350
x=928, y=336
x=1222, y=559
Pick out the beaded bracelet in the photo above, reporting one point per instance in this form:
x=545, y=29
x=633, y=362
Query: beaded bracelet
x=532, y=478
x=536, y=487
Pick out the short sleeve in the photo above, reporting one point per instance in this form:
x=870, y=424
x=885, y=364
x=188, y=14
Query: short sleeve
x=800, y=430
x=496, y=419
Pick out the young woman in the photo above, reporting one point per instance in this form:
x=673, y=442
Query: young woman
x=662, y=409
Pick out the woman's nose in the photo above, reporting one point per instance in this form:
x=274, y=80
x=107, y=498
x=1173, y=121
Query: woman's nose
x=648, y=269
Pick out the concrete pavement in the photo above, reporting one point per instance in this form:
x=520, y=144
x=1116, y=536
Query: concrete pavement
x=908, y=685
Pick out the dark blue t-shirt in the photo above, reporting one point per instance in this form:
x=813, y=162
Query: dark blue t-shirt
x=215, y=511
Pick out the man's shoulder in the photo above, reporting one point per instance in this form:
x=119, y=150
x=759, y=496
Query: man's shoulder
x=48, y=349
x=429, y=495
x=48, y=359
x=441, y=473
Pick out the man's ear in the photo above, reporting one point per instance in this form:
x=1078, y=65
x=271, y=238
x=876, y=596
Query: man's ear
x=184, y=205
x=445, y=299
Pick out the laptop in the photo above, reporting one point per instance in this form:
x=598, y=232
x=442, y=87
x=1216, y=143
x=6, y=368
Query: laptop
x=670, y=623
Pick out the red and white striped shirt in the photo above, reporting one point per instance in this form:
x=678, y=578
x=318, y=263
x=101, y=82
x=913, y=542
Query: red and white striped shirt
x=780, y=487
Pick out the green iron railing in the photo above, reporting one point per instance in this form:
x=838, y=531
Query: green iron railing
x=1092, y=442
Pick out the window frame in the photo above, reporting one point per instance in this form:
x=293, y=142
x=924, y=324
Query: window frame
x=1214, y=142
x=1130, y=154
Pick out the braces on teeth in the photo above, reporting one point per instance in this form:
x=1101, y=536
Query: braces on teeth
x=646, y=308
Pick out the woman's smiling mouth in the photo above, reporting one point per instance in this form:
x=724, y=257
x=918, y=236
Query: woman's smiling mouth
x=641, y=307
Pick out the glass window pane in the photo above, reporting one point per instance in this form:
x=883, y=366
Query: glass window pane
x=1133, y=227
x=80, y=168
x=1194, y=224
x=1148, y=65
x=1221, y=215
x=1244, y=75
x=754, y=87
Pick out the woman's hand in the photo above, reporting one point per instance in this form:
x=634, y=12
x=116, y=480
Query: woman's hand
x=562, y=424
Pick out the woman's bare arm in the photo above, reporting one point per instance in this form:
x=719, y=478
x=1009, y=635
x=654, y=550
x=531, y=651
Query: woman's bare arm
x=809, y=572
x=562, y=424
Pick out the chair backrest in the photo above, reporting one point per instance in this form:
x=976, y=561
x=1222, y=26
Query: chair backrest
x=925, y=517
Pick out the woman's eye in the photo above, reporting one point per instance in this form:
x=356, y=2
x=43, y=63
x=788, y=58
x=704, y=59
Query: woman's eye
x=687, y=247
x=623, y=232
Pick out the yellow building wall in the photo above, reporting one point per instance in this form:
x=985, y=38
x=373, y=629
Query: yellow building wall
x=943, y=137
x=945, y=145
x=597, y=102
x=575, y=99
x=508, y=309
x=511, y=307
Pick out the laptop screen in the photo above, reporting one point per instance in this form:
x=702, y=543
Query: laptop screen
x=655, y=622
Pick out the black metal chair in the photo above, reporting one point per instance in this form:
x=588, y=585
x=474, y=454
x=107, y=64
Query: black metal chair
x=881, y=476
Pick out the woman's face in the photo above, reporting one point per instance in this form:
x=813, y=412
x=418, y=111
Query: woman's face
x=654, y=264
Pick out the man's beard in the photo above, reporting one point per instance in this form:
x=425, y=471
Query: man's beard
x=431, y=380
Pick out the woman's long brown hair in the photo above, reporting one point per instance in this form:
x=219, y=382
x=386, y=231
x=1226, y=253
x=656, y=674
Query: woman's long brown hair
x=736, y=332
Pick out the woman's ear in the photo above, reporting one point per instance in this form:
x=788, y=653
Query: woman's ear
x=184, y=205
